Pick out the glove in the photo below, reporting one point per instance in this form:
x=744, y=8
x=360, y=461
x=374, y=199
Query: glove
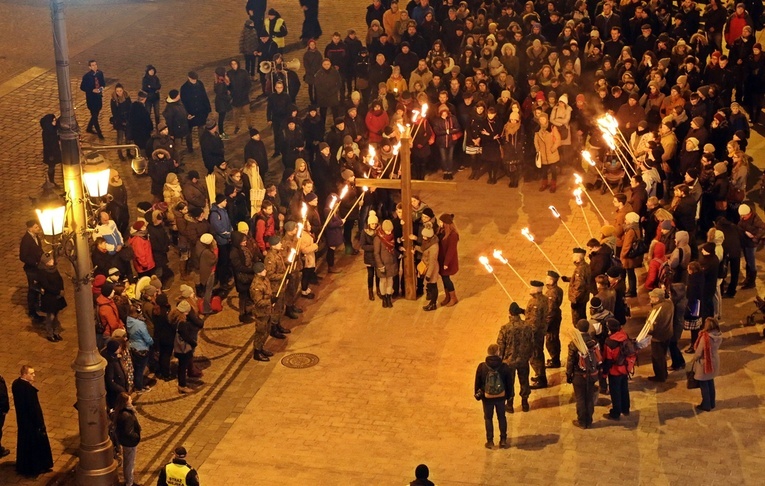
x=274, y=299
x=569, y=378
x=566, y=279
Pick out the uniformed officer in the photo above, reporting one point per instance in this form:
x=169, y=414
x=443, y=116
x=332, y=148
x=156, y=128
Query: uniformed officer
x=515, y=341
x=579, y=286
x=262, y=297
x=536, y=316
x=275, y=267
x=554, y=296
x=178, y=472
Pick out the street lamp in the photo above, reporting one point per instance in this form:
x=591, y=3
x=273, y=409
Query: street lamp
x=96, y=466
x=96, y=175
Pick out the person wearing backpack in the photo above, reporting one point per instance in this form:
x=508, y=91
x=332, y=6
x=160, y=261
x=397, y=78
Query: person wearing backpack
x=661, y=334
x=492, y=383
x=582, y=372
x=619, y=357
x=515, y=343
x=599, y=331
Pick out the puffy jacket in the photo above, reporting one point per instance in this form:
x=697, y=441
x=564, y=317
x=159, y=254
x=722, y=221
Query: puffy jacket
x=220, y=224
x=547, y=142
x=176, y=119
x=143, y=258
x=128, y=429
x=109, y=315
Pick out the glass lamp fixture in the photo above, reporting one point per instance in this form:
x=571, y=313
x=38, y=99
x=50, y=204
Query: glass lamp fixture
x=52, y=219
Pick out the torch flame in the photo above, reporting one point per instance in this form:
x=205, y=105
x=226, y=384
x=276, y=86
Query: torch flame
x=292, y=255
x=401, y=128
x=555, y=212
x=365, y=188
x=344, y=192
x=577, y=178
x=304, y=211
x=300, y=230
x=527, y=234
x=588, y=157
x=578, y=196
x=610, y=141
x=607, y=126
x=498, y=255
x=396, y=148
x=415, y=114
x=485, y=262
x=424, y=109
x=333, y=202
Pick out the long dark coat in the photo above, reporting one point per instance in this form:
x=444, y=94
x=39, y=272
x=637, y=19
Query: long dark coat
x=195, y=100
x=53, y=285
x=51, y=145
x=140, y=125
x=33, y=454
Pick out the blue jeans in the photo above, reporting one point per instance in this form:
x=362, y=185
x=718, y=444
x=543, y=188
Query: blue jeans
x=489, y=406
x=751, y=267
x=707, y=394
x=447, y=158
x=128, y=464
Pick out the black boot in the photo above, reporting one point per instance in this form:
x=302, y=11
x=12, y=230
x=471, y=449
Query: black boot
x=525, y=404
x=371, y=293
x=282, y=330
x=541, y=383
x=290, y=312
x=276, y=334
x=509, y=407
x=296, y=309
x=258, y=356
x=430, y=307
x=266, y=352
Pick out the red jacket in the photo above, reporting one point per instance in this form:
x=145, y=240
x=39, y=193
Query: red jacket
x=264, y=229
x=110, y=317
x=143, y=259
x=375, y=125
x=612, y=350
x=447, y=254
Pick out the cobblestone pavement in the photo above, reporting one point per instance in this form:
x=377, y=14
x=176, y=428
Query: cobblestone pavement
x=396, y=385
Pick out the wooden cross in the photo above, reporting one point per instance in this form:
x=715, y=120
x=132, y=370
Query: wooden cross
x=406, y=184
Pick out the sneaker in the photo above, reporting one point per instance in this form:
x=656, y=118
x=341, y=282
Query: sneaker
x=184, y=390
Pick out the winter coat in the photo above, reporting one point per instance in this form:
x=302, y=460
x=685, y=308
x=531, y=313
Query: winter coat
x=631, y=235
x=663, y=324
x=700, y=356
x=143, y=259
x=120, y=112
x=52, y=286
x=654, y=266
x=444, y=130
x=546, y=143
x=195, y=194
x=367, y=245
x=611, y=352
x=220, y=225
x=197, y=104
x=579, y=286
x=208, y=258
x=430, y=258
x=91, y=81
x=127, y=428
x=327, y=83
x=140, y=125
x=116, y=379
x=212, y=149
x=562, y=117
x=386, y=263
x=239, y=87
x=516, y=342
x=51, y=145
x=448, y=258
x=312, y=64
x=375, y=124
x=755, y=226
x=176, y=119
x=222, y=98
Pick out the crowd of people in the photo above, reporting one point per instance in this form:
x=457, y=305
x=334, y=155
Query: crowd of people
x=499, y=88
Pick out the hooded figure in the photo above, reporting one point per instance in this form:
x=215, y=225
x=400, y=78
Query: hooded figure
x=51, y=145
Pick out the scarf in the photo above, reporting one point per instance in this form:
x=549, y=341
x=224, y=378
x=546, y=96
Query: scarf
x=388, y=241
x=708, y=365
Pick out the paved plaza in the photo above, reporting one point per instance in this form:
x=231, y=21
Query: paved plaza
x=392, y=388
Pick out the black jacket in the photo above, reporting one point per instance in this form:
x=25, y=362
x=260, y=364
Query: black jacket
x=5, y=404
x=175, y=117
x=51, y=145
x=91, y=81
x=116, y=379
x=127, y=428
x=140, y=125
x=256, y=150
x=212, y=150
x=239, y=87
x=495, y=363
x=30, y=251
x=195, y=100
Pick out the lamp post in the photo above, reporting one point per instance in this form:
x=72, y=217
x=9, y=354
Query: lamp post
x=96, y=465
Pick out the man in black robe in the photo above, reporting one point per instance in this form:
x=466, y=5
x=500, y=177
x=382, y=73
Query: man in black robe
x=33, y=454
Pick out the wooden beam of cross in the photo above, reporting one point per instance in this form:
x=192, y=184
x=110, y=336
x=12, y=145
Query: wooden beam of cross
x=406, y=185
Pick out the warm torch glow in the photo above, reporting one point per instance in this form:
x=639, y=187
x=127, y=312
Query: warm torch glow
x=527, y=234
x=333, y=202
x=577, y=178
x=578, y=196
x=344, y=192
x=498, y=255
x=304, y=211
x=555, y=212
x=588, y=157
x=485, y=262
x=292, y=255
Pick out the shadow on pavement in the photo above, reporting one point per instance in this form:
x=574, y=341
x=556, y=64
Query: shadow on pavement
x=746, y=402
x=534, y=442
x=672, y=410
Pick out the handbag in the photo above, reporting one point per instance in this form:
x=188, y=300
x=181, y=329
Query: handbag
x=538, y=160
x=473, y=150
x=421, y=268
x=563, y=131
x=736, y=195
x=690, y=378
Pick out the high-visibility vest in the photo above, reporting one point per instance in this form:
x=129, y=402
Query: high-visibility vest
x=175, y=474
x=279, y=41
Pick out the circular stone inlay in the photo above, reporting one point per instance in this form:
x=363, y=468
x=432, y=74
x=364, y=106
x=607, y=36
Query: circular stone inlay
x=300, y=360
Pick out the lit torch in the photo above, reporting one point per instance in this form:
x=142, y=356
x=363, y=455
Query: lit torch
x=530, y=237
x=485, y=262
x=498, y=255
x=557, y=215
x=588, y=158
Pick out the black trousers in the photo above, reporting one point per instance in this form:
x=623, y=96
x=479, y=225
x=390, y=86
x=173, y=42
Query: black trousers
x=620, y=394
x=93, y=122
x=677, y=356
x=490, y=405
x=584, y=392
x=165, y=355
x=2, y=422
x=184, y=366
x=735, y=269
x=659, y=358
x=31, y=292
x=578, y=311
x=223, y=268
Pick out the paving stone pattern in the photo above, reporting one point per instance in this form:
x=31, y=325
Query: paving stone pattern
x=392, y=388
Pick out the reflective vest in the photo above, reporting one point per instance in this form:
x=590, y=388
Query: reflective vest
x=278, y=23
x=175, y=474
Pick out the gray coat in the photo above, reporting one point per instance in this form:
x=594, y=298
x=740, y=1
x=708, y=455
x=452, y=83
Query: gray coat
x=385, y=260
x=699, y=357
x=430, y=258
